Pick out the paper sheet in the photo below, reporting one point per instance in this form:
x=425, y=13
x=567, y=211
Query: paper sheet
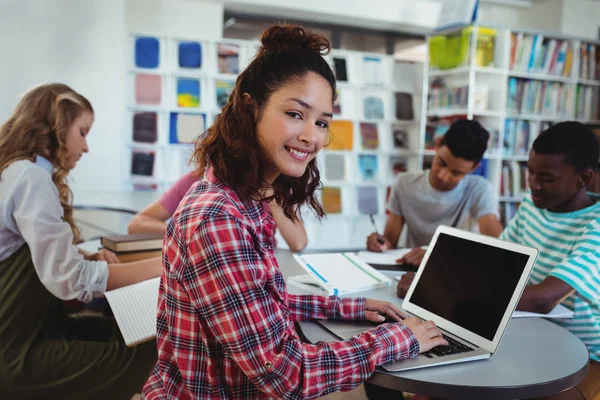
x=559, y=311
x=387, y=258
x=134, y=308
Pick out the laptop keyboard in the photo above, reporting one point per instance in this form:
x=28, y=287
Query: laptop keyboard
x=454, y=347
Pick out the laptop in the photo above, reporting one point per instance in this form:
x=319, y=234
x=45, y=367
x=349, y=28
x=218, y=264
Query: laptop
x=469, y=285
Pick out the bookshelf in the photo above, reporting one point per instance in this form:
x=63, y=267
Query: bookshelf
x=377, y=124
x=516, y=83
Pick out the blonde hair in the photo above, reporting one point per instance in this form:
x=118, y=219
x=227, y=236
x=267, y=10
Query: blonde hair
x=39, y=126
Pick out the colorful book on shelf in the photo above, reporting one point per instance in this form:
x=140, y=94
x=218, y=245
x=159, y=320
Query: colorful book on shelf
x=339, y=68
x=190, y=55
x=401, y=136
x=147, y=52
x=188, y=92
x=369, y=136
x=145, y=127
x=335, y=167
x=404, y=106
x=340, y=274
x=134, y=309
x=142, y=162
x=373, y=71
x=228, y=58
x=373, y=107
x=367, y=198
x=368, y=166
x=337, y=103
x=331, y=197
x=398, y=164
x=148, y=89
x=185, y=128
x=342, y=135
x=223, y=90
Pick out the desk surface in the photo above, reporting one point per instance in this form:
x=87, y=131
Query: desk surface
x=120, y=201
x=535, y=358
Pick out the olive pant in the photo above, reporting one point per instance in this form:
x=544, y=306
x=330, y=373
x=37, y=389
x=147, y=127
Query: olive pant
x=45, y=354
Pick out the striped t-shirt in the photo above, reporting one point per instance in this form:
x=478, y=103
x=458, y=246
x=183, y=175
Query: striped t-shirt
x=569, y=249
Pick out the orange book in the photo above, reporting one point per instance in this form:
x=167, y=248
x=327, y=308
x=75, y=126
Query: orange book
x=332, y=200
x=342, y=135
x=568, y=62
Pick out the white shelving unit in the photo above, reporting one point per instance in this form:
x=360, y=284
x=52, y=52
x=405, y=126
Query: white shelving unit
x=347, y=228
x=507, y=154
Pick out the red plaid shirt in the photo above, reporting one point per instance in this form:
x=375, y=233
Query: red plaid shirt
x=225, y=319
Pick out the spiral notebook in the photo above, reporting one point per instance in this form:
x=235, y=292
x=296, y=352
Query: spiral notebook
x=134, y=308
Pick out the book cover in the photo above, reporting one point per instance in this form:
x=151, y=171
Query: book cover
x=147, y=52
x=368, y=166
x=148, y=89
x=398, y=164
x=131, y=256
x=190, y=55
x=188, y=92
x=145, y=127
x=401, y=137
x=369, y=136
x=142, y=163
x=373, y=68
x=342, y=135
x=228, y=55
x=373, y=107
x=186, y=128
x=367, y=200
x=223, y=91
x=332, y=200
x=404, y=106
x=337, y=103
x=335, y=167
x=339, y=67
x=133, y=242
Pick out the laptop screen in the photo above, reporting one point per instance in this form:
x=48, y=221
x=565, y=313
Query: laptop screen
x=469, y=283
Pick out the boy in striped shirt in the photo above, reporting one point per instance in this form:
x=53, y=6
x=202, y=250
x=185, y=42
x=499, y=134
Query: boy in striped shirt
x=561, y=220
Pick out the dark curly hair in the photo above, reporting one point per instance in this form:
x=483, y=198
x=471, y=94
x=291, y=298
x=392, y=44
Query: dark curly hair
x=231, y=147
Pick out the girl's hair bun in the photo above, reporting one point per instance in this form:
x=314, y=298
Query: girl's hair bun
x=281, y=38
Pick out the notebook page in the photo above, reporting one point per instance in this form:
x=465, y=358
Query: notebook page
x=134, y=308
x=386, y=258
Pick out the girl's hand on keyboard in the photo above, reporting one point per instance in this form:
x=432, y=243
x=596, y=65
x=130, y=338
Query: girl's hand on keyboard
x=377, y=311
x=427, y=334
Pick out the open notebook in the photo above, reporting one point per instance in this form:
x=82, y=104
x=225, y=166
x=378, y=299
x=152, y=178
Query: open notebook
x=134, y=308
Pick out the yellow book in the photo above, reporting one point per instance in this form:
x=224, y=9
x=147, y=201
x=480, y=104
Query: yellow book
x=568, y=62
x=342, y=133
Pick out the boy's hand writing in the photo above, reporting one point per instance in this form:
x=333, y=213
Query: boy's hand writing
x=378, y=243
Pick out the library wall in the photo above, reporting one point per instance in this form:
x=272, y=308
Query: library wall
x=581, y=18
x=201, y=19
x=78, y=43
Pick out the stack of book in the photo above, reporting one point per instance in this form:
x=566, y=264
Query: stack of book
x=532, y=53
x=134, y=247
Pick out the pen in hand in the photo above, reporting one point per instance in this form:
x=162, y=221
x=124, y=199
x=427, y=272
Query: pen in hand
x=379, y=238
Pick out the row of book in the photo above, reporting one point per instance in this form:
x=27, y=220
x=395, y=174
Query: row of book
x=589, y=63
x=342, y=136
x=513, y=182
x=588, y=103
x=368, y=167
x=374, y=106
x=507, y=211
x=147, y=54
x=534, y=53
x=367, y=199
x=148, y=91
x=442, y=96
x=520, y=134
x=527, y=96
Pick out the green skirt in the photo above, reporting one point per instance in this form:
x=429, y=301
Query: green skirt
x=45, y=354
